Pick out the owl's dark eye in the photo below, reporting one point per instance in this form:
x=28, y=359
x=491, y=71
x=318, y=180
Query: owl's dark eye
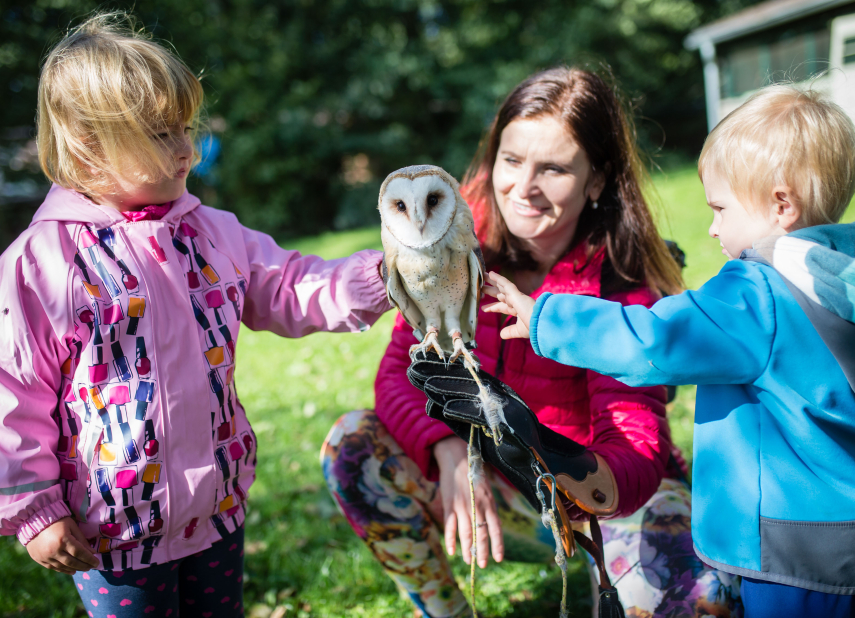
x=401, y=206
x=432, y=200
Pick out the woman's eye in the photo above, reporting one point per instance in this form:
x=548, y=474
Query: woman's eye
x=432, y=200
x=401, y=206
x=554, y=169
x=511, y=160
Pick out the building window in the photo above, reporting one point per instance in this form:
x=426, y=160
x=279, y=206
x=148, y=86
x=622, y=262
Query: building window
x=849, y=51
x=790, y=58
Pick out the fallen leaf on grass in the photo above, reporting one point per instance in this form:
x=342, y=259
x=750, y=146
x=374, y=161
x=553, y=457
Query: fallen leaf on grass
x=253, y=547
x=279, y=612
x=284, y=594
x=259, y=610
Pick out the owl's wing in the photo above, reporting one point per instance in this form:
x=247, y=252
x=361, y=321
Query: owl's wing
x=469, y=314
x=397, y=295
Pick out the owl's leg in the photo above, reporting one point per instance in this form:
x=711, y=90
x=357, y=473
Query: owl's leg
x=430, y=341
x=460, y=350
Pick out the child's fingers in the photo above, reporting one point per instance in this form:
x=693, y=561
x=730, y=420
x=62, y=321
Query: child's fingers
x=498, y=308
x=504, y=284
x=83, y=551
x=490, y=290
x=77, y=557
x=496, y=279
x=55, y=565
x=72, y=562
x=514, y=331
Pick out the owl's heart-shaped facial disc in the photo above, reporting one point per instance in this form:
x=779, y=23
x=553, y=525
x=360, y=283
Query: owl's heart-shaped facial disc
x=418, y=211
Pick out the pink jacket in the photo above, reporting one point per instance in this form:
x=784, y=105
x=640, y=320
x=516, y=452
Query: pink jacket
x=625, y=425
x=117, y=342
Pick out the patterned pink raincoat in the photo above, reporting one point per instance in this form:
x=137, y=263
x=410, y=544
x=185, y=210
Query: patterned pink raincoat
x=117, y=349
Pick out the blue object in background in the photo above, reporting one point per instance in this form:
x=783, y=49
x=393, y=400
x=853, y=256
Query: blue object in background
x=208, y=147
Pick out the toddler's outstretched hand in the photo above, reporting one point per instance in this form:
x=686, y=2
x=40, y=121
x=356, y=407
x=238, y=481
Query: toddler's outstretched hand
x=62, y=547
x=511, y=302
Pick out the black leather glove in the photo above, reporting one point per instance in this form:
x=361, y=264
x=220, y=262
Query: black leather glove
x=526, y=451
x=527, y=448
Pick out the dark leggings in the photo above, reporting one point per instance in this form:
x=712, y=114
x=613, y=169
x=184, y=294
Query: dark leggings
x=209, y=583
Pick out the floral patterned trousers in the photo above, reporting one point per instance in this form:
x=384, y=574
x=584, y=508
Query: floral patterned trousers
x=388, y=503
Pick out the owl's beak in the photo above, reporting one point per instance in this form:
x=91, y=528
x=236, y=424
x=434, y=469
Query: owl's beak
x=420, y=226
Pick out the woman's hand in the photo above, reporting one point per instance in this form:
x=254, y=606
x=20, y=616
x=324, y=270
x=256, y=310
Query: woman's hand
x=62, y=547
x=511, y=302
x=450, y=454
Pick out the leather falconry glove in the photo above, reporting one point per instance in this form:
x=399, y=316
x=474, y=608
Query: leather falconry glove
x=526, y=452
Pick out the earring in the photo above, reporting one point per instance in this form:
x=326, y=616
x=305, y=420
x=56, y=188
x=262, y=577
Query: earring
x=595, y=205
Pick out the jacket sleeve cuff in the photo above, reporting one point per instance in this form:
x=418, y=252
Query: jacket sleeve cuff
x=49, y=515
x=535, y=317
x=374, y=286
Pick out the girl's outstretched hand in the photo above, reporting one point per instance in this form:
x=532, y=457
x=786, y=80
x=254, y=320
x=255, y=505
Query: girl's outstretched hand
x=62, y=547
x=511, y=302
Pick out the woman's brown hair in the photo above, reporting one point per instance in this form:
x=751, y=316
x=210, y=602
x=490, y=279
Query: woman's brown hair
x=590, y=108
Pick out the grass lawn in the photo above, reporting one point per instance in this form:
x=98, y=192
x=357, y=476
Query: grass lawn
x=301, y=557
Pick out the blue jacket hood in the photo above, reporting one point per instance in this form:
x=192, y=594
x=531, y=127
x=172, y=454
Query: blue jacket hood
x=819, y=261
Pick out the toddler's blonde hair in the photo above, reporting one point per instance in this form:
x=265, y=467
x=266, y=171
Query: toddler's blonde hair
x=105, y=91
x=784, y=135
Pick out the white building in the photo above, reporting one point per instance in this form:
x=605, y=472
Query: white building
x=792, y=40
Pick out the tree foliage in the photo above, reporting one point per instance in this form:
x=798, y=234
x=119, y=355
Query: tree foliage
x=316, y=101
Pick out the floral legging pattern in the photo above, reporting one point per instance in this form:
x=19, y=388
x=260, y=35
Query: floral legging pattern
x=388, y=503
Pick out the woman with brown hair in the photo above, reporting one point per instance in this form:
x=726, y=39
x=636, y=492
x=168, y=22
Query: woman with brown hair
x=558, y=204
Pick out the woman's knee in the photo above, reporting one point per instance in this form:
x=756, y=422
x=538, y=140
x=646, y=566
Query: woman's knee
x=350, y=440
x=347, y=426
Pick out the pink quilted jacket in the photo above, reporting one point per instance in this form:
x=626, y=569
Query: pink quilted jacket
x=626, y=426
x=117, y=348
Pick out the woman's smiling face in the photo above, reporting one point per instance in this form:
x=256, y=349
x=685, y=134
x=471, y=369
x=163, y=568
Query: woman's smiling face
x=542, y=179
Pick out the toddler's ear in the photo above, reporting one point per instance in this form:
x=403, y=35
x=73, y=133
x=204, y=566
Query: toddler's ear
x=786, y=208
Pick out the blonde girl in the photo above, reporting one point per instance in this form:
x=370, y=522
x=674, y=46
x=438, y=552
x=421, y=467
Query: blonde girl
x=127, y=456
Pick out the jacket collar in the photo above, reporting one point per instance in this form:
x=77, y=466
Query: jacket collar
x=69, y=206
x=575, y=273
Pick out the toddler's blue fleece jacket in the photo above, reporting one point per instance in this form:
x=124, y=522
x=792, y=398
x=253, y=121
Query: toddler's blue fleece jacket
x=774, y=444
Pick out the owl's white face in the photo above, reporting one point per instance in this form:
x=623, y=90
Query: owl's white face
x=418, y=212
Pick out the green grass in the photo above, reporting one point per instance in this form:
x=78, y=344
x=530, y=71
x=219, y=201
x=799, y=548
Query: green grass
x=301, y=554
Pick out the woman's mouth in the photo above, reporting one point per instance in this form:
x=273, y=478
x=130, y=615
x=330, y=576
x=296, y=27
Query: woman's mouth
x=525, y=210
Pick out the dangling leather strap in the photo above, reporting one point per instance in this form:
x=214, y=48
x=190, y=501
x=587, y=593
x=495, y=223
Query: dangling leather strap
x=594, y=547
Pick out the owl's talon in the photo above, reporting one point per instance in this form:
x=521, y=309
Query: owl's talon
x=460, y=350
x=429, y=342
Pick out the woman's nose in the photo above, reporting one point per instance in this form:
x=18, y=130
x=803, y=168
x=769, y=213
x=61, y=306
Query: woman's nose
x=527, y=183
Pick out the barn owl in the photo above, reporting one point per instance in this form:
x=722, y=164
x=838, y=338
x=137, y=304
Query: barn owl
x=433, y=267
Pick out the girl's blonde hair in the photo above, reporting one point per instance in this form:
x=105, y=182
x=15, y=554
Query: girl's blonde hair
x=105, y=92
x=784, y=135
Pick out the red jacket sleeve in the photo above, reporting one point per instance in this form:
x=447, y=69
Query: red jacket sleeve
x=631, y=433
x=400, y=406
x=630, y=430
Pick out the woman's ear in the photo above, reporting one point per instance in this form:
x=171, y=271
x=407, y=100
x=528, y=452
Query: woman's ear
x=596, y=184
x=786, y=208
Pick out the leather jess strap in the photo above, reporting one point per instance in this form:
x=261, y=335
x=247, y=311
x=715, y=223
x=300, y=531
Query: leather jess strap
x=594, y=546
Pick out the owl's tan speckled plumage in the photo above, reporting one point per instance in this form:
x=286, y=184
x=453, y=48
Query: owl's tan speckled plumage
x=432, y=265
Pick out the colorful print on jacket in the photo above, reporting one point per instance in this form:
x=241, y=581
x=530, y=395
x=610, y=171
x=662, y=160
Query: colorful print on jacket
x=122, y=445
x=120, y=384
